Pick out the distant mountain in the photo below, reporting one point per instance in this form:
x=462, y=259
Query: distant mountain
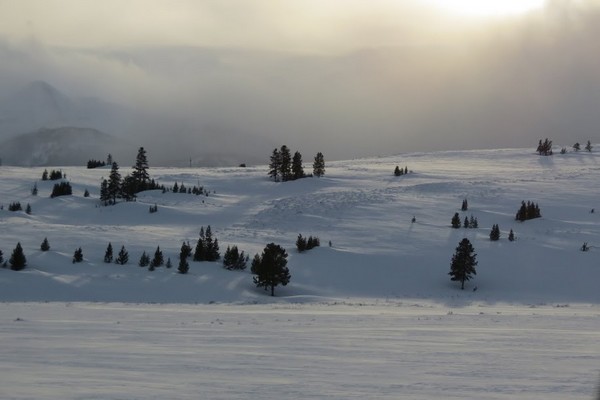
x=61, y=146
x=40, y=105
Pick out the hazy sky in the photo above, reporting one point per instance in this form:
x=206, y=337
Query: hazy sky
x=345, y=77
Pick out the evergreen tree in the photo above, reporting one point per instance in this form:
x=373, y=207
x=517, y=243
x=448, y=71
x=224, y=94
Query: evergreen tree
x=17, y=261
x=86, y=193
x=297, y=168
x=285, y=168
x=114, y=183
x=495, y=233
x=45, y=246
x=28, y=209
x=108, y=254
x=158, y=259
x=45, y=175
x=1, y=257
x=78, y=256
x=465, y=205
x=140, y=171
x=34, y=190
x=109, y=159
x=473, y=223
x=467, y=224
x=456, y=221
x=234, y=260
x=200, y=251
x=589, y=146
x=168, y=264
x=275, y=165
x=577, y=146
x=397, y=171
x=144, y=260
x=463, y=263
x=186, y=249
x=511, y=236
x=183, y=267
x=271, y=268
x=122, y=257
x=301, y=243
x=319, y=165
x=104, y=197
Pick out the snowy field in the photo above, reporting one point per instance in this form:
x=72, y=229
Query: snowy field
x=374, y=315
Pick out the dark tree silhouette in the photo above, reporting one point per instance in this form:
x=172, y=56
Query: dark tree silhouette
x=17, y=261
x=463, y=263
x=271, y=268
x=108, y=254
x=275, y=165
x=45, y=246
x=114, y=183
x=78, y=256
x=122, y=257
x=456, y=223
x=297, y=168
x=319, y=165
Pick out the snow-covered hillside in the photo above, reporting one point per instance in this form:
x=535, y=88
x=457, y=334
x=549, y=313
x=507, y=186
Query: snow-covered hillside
x=360, y=206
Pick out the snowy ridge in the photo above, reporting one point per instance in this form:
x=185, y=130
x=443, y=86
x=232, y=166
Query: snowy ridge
x=359, y=206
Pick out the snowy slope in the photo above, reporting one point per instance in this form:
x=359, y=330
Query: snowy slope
x=359, y=206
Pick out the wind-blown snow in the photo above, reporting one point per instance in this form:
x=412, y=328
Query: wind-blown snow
x=373, y=316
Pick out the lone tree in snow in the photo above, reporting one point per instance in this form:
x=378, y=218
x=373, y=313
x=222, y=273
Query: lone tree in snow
x=463, y=263
x=271, y=268
x=17, y=259
x=319, y=165
x=45, y=246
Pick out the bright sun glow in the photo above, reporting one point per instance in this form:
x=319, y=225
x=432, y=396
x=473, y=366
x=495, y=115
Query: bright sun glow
x=488, y=7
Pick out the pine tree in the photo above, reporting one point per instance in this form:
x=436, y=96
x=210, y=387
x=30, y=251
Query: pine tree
x=122, y=257
x=397, y=171
x=45, y=175
x=104, y=197
x=86, y=193
x=319, y=165
x=45, y=246
x=577, y=146
x=463, y=263
x=17, y=261
x=297, y=168
x=301, y=243
x=234, y=260
x=1, y=257
x=589, y=146
x=168, y=264
x=158, y=259
x=466, y=224
x=271, y=268
x=28, y=209
x=140, y=171
x=473, y=223
x=495, y=233
x=186, y=249
x=109, y=159
x=144, y=260
x=465, y=205
x=456, y=221
x=114, y=183
x=78, y=256
x=511, y=236
x=108, y=254
x=183, y=267
x=34, y=190
x=275, y=165
x=285, y=168
x=201, y=248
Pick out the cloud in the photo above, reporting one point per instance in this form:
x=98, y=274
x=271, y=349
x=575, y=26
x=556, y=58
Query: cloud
x=341, y=77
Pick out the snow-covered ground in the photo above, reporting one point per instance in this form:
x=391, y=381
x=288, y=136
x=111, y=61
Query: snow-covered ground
x=373, y=316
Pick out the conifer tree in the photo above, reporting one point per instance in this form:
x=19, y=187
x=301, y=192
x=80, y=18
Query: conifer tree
x=86, y=193
x=122, y=257
x=463, y=263
x=168, y=264
x=28, y=209
x=78, y=256
x=158, y=259
x=465, y=205
x=467, y=224
x=104, y=197
x=144, y=260
x=271, y=268
x=186, y=249
x=108, y=254
x=297, y=168
x=319, y=165
x=456, y=221
x=45, y=246
x=45, y=175
x=275, y=165
x=577, y=146
x=17, y=261
x=201, y=247
x=495, y=233
x=473, y=223
x=589, y=146
x=301, y=243
x=140, y=171
x=109, y=159
x=285, y=167
x=114, y=183
x=397, y=171
x=183, y=267
x=234, y=260
x=34, y=190
x=1, y=257
x=511, y=236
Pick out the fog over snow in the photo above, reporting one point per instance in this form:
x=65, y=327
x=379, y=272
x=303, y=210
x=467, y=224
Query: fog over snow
x=341, y=77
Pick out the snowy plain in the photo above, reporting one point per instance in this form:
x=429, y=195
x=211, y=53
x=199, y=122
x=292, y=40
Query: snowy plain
x=374, y=315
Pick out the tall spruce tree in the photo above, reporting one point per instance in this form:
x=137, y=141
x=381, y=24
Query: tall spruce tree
x=17, y=261
x=271, y=268
x=297, y=168
x=108, y=254
x=183, y=266
x=275, y=165
x=319, y=165
x=463, y=263
x=285, y=168
x=140, y=171
x=122, y=257
x=158, y=259
x=200, y=251
x=114, y=183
